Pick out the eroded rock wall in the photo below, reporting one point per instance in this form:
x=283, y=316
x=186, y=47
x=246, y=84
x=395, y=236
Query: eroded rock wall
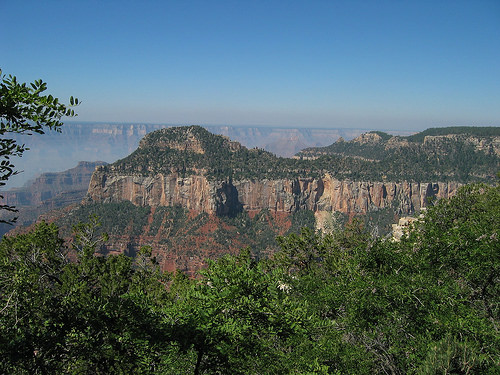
x=198, y=193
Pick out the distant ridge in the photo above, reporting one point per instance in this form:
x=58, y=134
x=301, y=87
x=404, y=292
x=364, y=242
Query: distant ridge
x=47, y=192
x=485, y=131
x=463, y=154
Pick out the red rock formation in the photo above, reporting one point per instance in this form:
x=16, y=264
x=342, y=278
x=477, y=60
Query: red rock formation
x=328, y=194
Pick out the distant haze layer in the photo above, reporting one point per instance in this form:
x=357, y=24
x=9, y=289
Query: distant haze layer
x=54, y=152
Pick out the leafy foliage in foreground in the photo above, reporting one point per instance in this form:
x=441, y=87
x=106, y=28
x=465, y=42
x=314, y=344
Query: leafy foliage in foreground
x=427, y=304
x=25, y=110
x=339, y=303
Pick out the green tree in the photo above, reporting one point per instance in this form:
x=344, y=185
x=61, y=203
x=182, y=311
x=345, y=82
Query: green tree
x=93, y=314
x=241, y=320
x=427, y=304
x=25, y=110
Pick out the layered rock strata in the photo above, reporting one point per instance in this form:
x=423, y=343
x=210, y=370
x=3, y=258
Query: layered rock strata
x=325, y=194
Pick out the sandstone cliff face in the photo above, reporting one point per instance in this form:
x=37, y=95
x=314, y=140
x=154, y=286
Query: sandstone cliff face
x=50, y=185
x=47, y=192
x=192, y=193
x=325, y=194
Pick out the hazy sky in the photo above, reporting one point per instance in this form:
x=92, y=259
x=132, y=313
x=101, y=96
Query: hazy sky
x=369, y=64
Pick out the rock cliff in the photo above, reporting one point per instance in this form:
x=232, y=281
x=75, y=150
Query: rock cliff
x=49, y=185
x=202, y=172
x=190, y=167
x=47, y=192
x=199, y=171
x=226, y=197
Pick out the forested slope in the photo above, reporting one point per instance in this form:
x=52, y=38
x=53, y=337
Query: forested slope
x=461, y=154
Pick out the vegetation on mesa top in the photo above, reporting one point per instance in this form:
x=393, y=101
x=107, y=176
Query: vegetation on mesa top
x=187, y=150
x=485, y=131
x=470, y=154
x=461, y=154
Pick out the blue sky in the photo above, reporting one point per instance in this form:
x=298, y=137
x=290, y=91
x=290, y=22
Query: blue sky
x=405, y=65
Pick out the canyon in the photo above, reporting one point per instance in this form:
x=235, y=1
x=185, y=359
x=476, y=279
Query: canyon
x=209, y=200
x=48, y=191
x=192, y=195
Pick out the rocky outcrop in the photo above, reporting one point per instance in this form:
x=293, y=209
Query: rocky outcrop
x=226, y=197
x=49, y=185
x=403, y=227
x=47, y=192
x=368, y=138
